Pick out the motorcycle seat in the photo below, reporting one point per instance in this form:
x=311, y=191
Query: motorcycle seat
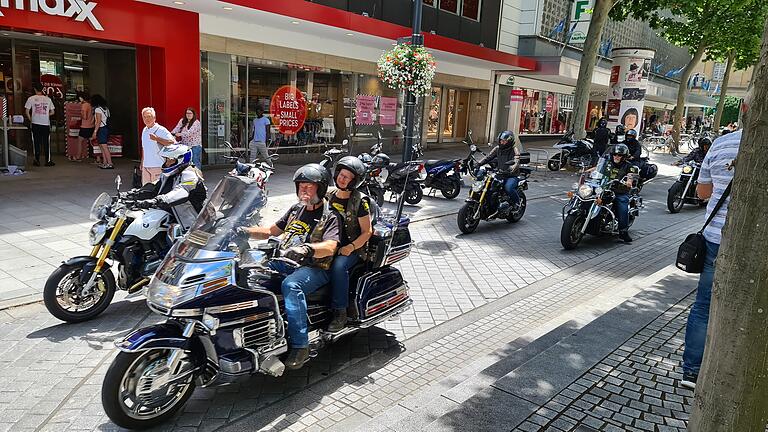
x=434, y=162
x=526, y=170
x=322, y=295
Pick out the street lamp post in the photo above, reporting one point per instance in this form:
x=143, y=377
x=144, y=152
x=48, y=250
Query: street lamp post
x=409, y=135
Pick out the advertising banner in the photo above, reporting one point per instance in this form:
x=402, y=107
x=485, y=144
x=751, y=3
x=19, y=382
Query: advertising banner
x=627, y=86
x=364, y=108
x=387, y=111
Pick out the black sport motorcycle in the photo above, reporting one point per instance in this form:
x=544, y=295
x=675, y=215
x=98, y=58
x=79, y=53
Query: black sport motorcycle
x=574, y=153
x=590, y=208
x=225, y=311
x=683, y=191
x=487, y=199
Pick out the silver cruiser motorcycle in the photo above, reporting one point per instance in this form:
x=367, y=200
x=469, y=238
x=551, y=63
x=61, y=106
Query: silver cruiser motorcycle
x=135, y=239
x=225, y=312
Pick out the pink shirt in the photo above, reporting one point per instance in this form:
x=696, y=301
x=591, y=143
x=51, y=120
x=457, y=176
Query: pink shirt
x=86, y=116
x=189, y=136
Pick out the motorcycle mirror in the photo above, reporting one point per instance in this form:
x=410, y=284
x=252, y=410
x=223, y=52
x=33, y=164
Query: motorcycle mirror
x=490, y=144
x=118, y=181
x=175, y=232
x=345, y=143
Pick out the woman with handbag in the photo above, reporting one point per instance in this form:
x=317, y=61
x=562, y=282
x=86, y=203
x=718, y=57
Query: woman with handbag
x=101, y=131
x=188, y=132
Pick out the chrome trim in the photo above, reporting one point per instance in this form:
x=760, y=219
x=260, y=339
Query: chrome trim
x=247, y=319
x=402, y=307
x=232, y=307
x=398, y=291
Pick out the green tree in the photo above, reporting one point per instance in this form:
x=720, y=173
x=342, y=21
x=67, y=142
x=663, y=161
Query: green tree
x=733, y=383
x=730, y=110
x=707, y=27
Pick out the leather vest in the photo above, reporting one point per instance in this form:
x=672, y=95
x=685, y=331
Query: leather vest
x=317, y=233
x=349, y=217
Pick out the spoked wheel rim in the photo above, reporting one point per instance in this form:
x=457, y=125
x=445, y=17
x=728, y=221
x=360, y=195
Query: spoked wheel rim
x=143, y=396
x=69, y=293
x=576, y=234
x=678, y=201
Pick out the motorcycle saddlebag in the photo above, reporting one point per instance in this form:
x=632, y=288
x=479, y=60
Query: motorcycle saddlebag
x=377, y=252
x=379, y=292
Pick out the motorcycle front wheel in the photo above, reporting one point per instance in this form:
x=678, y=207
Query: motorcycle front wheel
x=466, y=218
x=139, y=392
x=675, y=200
x=454, y=190
x=516, y=215
x=63, y=294
x=570, y=234
x=554, y=163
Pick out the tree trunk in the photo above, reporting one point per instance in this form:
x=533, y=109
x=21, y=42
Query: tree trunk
x=732, y=389
x=682, y=91
x=723, y=89
x=587, y=66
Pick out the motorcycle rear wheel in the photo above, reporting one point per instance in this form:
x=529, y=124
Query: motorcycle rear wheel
x=414, y=195
x=132, y=373
x=63, y=287
x=453, y=191
x=515, y=216
x=570, y=233
x=554, y=163
x=675, y=200
x=466, y=218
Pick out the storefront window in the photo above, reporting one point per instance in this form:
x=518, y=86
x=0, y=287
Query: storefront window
x=544, y=112
x=433, y=124
x=450, y=6
x=471, y=9
x=373, y=109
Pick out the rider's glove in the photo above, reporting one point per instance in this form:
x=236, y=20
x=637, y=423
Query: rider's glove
x=300, y=253
x=146, y=204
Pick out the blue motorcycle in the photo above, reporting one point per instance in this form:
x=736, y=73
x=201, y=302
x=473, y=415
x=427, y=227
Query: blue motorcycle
x=224, y=308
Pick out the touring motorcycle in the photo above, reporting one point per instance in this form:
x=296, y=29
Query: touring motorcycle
x=225, y=312
x=487, y=199
x=137, y=240
x=574, y=153
x=683, y=191
x=590, y=209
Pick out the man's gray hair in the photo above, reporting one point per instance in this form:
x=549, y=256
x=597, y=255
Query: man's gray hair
x=148, y=109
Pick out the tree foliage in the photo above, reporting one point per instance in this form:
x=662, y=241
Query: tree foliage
x=730, y=110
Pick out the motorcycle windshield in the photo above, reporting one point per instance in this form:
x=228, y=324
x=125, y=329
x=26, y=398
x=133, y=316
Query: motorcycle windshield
x=235, y=202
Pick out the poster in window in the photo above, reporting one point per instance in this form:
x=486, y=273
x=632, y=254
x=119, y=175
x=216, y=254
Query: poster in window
x=364, y=107
x=387, y=110
x=450, y=6
x=471, y=9
x=289, y=110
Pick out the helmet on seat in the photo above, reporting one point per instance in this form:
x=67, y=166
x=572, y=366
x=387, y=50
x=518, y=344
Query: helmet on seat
x=180, y=154
x=355, y=166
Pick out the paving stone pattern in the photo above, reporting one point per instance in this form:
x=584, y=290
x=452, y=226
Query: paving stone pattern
x=636, y=388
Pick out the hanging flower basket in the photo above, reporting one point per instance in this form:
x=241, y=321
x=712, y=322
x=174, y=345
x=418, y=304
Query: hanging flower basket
x=409, y=68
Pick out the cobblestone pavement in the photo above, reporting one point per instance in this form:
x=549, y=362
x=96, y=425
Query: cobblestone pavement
x=633, y=389
x=50, y=373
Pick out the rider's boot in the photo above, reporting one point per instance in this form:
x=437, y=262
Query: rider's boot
x=297, y=357
x=339, y=320
x=624, y=235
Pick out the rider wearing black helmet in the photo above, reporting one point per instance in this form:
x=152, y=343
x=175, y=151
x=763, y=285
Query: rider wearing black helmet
x=507, y=158
x=618, y=168
x=602, y=137
x=356, y=229
x=618, y=136
x=309, y=234
x=635, y=149
x=697, y=155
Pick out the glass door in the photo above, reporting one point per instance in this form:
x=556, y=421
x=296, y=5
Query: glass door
x=433, y=125
x=462, y=114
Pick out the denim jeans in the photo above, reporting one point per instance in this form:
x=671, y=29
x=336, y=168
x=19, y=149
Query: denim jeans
x=696, y=330
x=197, y=156
x=339, y=274
x=295, y=287
x=622, y=210
x=510, y=187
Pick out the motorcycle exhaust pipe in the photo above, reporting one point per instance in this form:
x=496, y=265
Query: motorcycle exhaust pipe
x=138, y=285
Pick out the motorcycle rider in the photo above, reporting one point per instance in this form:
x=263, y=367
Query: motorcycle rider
x=357, y=229
x=697, y=155
x=602, y=137
x=618, y=167
x=506, y=151
x=635, y=149
x=309, y=234
x=180, y=187
x=618, y=136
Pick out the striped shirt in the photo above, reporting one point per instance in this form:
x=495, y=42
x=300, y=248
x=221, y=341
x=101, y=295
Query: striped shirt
x=714, y=171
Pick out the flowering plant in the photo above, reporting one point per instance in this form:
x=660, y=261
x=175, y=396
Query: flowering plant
x=407, y=67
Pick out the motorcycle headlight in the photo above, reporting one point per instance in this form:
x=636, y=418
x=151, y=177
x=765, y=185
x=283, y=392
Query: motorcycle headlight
x=599, y=191
x=168, y=295
x=100, y=205
x=478, y=186
x=473, y=148
x=687, y=169
x=97, y=233
x=585, y=191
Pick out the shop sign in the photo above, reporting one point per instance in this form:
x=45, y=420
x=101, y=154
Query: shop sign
x=52, y=86
x=80, y=10
x=581, y=16
x=516, y=96
x=387, y=110
x=550, y=103
x=364, y=107
x=289, y=108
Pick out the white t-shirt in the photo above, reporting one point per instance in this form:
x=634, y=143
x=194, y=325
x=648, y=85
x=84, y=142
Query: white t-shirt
x=104, y=115
x=42, y=108
x=151, y=148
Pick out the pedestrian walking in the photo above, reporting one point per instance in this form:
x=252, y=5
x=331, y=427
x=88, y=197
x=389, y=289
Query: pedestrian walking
x=87, y=126
x=153, y=138
x=715, y=176
x=188, y=132
x=39, y=109
x=100, y=134
x=258, y=145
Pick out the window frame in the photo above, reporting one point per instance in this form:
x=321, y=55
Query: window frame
x=479, y=11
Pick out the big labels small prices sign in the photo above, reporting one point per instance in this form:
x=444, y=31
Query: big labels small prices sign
x=289, y=108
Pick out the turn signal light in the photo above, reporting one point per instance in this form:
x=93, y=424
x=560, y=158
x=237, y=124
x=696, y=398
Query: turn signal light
x=570, y=194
